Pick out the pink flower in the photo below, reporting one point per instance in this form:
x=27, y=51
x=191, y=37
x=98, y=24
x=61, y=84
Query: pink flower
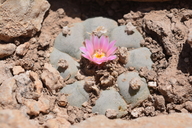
x=99, y=50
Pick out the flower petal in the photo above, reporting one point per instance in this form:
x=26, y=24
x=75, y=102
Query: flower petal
x=105, y=44
x=83, y=49
x=112, y=43
x=111, y=51
x=86, y=56
x=85, y=52
x=99, y=60
x=96, y=42
x=89, y=46
x=102, y=41
x=112, y=57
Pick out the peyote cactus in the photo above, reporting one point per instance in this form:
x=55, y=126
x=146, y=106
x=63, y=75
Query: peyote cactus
x=76, y=93
x=133, y=88
x=67, y=47
x=110, y=99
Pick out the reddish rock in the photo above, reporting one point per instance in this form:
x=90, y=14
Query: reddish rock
x=14, y=119
x=177, y=120
x=22, y=49
x=6, y=50
x=51, y=78
x=6, y=93
x=5, y=72
x=17, y=70
x=36, y=82
x=24, y=19
x=57, y=123
x=188, y=106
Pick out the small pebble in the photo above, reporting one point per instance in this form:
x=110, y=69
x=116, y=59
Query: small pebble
x=111, y=113
x=18, y=70
x=137, y=112
x=152, y=84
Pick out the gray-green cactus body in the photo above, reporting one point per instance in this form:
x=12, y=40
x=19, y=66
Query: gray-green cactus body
x=71, y=71
x=140, y=57
x=132, y=87
x=76, y=95
x=126, y=83
x=93, y=23
x=110, y=99
x=71, y=43
x=125, y=40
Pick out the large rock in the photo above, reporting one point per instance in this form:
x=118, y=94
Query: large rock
x=7, y=97
x=51, y=78
x=6, y=49
x=14, y=119
x=5, y=72
x=21, y=17
x=164, y=121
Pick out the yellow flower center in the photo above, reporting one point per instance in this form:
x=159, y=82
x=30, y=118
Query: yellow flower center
x=99, y=54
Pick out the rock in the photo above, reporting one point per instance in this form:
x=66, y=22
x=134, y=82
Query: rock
x=51, y=78
x=43, y=105
x=188, y=106
x=45, y=40
x=22, y=49
x=6, y=50
x=75, y=114
x=7, y=97
x=21, y=18
x=75, y=93
x=152, y=84
x=189, y=37
x=1, y=1
x=22, y=79
x=136, y=112
x=159, y=102
x=38, y=85
x=90, y=85
x=150, y=111
x=46, y=103
x=107, y=80
x=5, y=72
x=158, y=24
x=28, y=63
x=60, y=112
x=32, y=107
x=57, y=123
x=18, y=70
x=110, y=99
x=10, y=118
x=176, y=120
x=122, y=54
x=132, y=97
x=111, y=113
